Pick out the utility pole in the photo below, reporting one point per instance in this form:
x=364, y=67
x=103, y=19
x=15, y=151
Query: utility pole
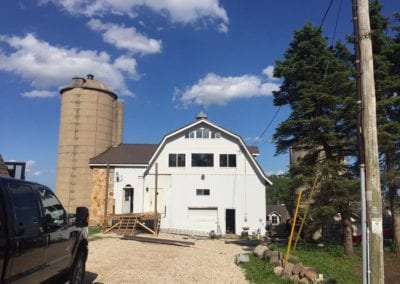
x=369, y=129
x=361, y=160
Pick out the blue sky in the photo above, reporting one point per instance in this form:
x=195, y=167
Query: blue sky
x=167, y=60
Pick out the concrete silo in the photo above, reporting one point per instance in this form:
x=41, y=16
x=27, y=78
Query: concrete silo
x=90, y=122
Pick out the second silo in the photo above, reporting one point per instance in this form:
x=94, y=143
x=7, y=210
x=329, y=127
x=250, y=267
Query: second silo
x=90, y=122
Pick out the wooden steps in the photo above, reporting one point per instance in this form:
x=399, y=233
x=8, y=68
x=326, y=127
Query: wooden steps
x=127, y=224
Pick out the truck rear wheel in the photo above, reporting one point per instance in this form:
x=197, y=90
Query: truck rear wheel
x=77, y=272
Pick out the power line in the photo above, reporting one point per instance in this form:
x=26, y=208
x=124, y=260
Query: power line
x=334, y=34
x=336, y=22
x=266, y=128
x=326, y=13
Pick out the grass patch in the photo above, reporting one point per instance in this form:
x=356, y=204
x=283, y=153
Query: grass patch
x=332, y=261
x=329, y=260
x=259, y=271
x=94, y=230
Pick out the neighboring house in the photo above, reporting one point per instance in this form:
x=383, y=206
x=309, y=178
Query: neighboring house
x=206, y=177
x=277, y=217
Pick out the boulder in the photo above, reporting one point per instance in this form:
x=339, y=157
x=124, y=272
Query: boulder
x=320, y=278
x=298, y=267
x=311, y=275
x=272, y=257
x=304, y=270
x=278, y=270
x=303, y=280
x=240, y=258
x=295, y=278
x=287, y=269
x=260, y=250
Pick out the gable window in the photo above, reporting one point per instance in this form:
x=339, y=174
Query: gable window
x=176, y=160
x=215, y=134
x=227, y=160
x=202, y=133
x=202, y=160
x=202, y=192
x=274, y=218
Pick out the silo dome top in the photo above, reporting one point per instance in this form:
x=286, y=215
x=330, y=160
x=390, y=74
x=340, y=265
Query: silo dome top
x=92, y=83
x=88, y=83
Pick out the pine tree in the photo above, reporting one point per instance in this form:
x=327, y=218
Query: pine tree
x=386, y=52
x=318, y=86
x=279, y=192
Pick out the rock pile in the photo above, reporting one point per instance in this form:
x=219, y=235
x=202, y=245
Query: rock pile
x=298, y=273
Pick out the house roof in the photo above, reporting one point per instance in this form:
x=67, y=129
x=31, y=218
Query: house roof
x=3, y=168
x=203, y=120
x=133, y=154
x=279, y=209
x=127, y=154
x=253, y=150
x=146, y=154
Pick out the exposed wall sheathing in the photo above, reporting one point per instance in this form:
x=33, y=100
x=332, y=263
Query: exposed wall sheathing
x=98, y=195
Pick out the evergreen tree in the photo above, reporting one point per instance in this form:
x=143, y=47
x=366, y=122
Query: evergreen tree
x=279, y=192
x=318, y=86
x=386, y=53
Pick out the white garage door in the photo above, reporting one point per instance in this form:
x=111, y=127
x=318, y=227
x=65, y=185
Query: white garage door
x=203, y=220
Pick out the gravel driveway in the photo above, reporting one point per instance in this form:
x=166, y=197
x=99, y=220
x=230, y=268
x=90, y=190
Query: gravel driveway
x=112, y=260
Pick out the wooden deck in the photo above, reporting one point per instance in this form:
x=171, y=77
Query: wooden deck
x=127, y=224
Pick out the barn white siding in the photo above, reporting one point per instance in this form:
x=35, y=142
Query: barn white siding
x=241, y=188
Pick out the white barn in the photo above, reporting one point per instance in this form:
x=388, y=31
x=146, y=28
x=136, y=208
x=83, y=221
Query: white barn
x=207, y=179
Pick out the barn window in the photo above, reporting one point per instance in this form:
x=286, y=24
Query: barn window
x=227, y=160
x=176, y=160
x=202, y=160
x=202, y=192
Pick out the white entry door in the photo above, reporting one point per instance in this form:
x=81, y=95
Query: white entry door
x=203, y=219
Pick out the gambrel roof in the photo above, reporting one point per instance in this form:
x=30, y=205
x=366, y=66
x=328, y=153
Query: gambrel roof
x=205, y=122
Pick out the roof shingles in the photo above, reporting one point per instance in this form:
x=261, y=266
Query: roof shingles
x=131, y=154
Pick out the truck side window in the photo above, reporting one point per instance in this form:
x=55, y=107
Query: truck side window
x=52, y=207
x=26, y=209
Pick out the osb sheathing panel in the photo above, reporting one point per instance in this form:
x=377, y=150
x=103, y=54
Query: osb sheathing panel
x=98, y=195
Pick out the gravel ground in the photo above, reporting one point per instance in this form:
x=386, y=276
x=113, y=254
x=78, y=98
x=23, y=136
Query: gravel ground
x=112, y=260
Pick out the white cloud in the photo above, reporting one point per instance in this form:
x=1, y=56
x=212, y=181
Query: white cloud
x=29, y=165
x=30, y=169
x=186, y=11
x=217, y=90
x=39, y=94
x=269, y=72
x=46, y=66
x=222, y=28
x=126, y=38
x=277, y=173
x=251, y=140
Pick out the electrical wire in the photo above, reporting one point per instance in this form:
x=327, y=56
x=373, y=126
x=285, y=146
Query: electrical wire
x=326, y=13
x=266, y=128
x=334, y=34
x=336, y=22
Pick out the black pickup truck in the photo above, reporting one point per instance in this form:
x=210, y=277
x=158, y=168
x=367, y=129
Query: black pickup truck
x=39, y=241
